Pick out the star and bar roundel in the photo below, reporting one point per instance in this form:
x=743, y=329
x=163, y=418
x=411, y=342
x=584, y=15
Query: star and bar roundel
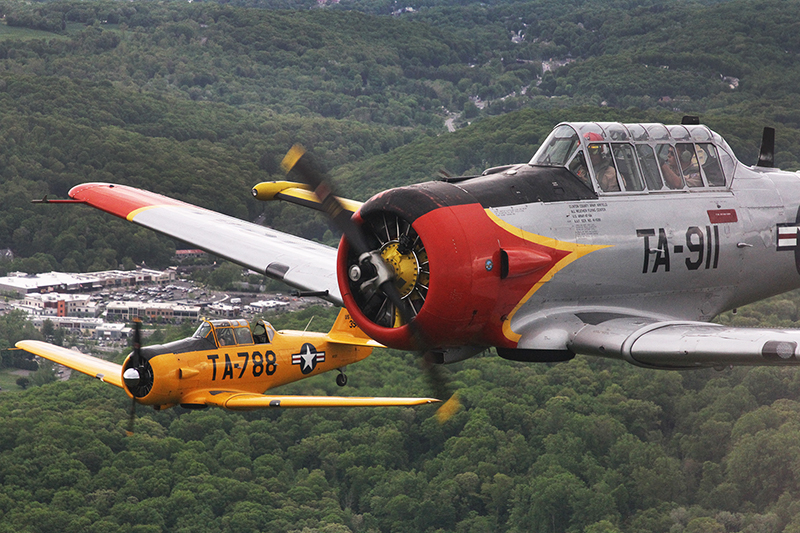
x=308, y=358
x=788, y=237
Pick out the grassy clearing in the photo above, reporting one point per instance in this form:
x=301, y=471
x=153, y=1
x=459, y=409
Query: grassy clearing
x=26, y=34
x=8, y=378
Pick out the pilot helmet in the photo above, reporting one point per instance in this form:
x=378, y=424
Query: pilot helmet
x=592, y=138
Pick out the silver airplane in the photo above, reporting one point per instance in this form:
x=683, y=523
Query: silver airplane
x=615, y=240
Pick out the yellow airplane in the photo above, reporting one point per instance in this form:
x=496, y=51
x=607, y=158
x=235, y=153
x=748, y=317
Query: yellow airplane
x=227, y=364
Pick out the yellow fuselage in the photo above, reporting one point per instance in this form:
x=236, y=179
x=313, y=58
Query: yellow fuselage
x=255, y=368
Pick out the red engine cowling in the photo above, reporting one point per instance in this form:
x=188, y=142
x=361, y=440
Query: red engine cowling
x=462, y=271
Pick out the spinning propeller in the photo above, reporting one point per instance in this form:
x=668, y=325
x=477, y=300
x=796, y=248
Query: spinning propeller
x=386, y=271
x=137, y=374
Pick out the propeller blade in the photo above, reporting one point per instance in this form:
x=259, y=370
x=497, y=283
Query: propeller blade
x=298, y=160
x=132, y=375
x=440, y=385
x=380, y=276
x=136, y=355
x=131, y=418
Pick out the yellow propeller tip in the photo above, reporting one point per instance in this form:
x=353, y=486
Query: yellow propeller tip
x=291, y=158
x=448, y=409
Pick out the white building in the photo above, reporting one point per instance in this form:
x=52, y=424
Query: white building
x=57, y=304
x=265, y=305
x=128, y=310
x=74, y=325
x=22, y=283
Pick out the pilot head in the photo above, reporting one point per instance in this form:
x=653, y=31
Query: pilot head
x=596, y=150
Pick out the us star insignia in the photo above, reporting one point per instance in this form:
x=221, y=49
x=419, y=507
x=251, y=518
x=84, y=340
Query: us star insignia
x=308, y=358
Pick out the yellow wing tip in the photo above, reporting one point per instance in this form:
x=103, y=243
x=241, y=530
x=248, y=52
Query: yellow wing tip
x=449, y=408
x=267, y=190
x=291, y=158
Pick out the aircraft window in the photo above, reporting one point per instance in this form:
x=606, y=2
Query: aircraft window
x=263, y=332
x=616, y=132
x=579, y=167
x=590, y=130
x=657, y=132
x=638, y=132
x=225, y=337
x=668, y=161
x=709, y=161
x=202, y=331
x=679, y=133
x=557, y=149
x=604, y=171
x=628, y=169
x=243, y=335
x=699, y=133
x=647, y=160
x=725, y=156
x=689, y=166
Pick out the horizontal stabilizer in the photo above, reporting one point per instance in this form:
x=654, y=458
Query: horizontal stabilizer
x=92, y=366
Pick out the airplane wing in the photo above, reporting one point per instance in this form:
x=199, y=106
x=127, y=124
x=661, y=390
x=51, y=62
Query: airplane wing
x=242, y=401
x=92, y=366
x=298, y=262
x=684, y=344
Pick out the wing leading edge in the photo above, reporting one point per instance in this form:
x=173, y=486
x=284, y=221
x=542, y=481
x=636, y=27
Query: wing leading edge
x=92, y=366
x=298, y=262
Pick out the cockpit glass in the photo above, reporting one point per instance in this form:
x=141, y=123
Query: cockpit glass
x=225, y=337
x=557, y=149
x=243, y=335
x=699, y=133
x=647, y=157
x=657, y=132
x=615, y=131
x=628, y=169
x=579, y=167
x=679, y=133
x=709, y=160
x=202, y=331
x=638, y=132
x=687, y=158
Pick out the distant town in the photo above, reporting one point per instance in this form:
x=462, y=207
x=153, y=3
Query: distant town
x=99, y=306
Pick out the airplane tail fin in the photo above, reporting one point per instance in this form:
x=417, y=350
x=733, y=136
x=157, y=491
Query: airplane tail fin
x=345, y=331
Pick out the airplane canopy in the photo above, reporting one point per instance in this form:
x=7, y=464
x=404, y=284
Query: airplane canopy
x=234, y=332
x=611, y=157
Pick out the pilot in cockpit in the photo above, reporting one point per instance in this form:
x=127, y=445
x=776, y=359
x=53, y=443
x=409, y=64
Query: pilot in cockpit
x=603, y=165
x=669, y=166
x=263, y=332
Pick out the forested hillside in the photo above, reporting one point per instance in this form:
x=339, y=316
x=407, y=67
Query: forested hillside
x=588, y=445
x=201, y=101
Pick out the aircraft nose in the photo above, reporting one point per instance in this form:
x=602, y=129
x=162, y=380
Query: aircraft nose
x=131, y=377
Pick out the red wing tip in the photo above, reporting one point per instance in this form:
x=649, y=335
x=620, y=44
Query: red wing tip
x=91, y=185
